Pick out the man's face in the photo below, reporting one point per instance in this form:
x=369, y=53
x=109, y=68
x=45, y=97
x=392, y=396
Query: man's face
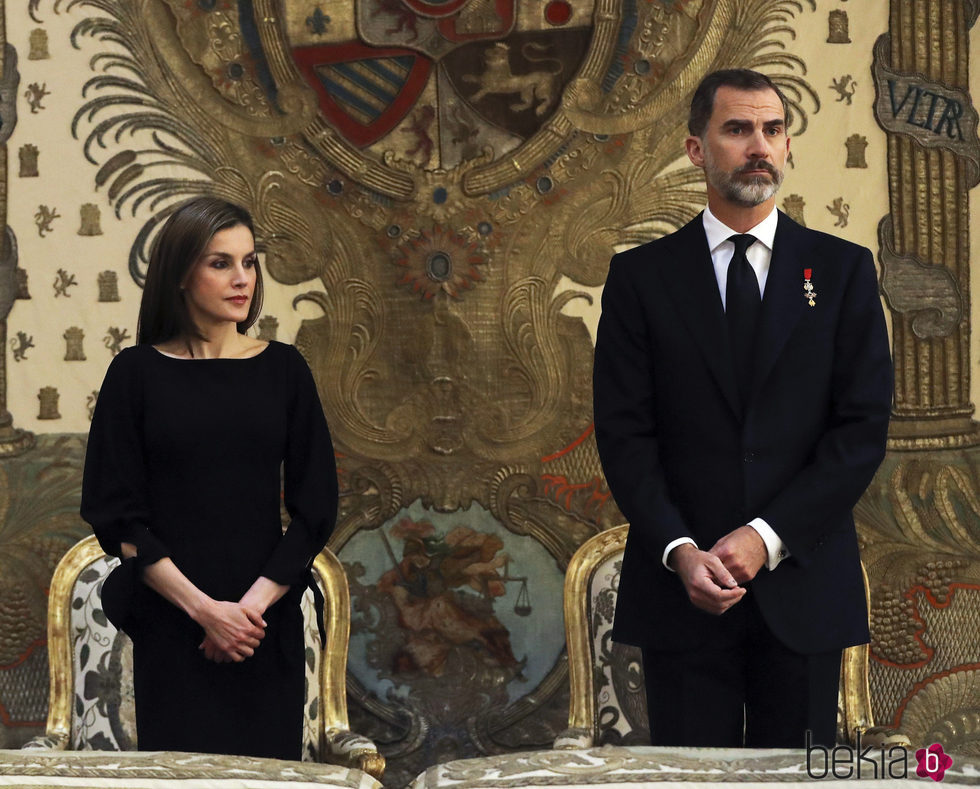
x=743, y=150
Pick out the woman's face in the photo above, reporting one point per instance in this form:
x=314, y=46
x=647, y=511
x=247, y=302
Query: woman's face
x=219, y=286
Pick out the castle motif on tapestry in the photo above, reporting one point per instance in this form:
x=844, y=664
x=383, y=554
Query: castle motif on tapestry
x=837, y=23
x=27, y=156
x=90, y=220
x=108, y=286
x=48, y=403
x=857, y=145
x=23, y=287
x=39, y=44
x=268, y=328
x=793, y=205
x=74, y=352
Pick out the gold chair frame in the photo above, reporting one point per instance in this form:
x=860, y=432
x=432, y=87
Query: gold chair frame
x=854, y=710
x=334, y=725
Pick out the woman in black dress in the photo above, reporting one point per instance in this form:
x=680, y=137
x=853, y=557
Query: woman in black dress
x=192, y=428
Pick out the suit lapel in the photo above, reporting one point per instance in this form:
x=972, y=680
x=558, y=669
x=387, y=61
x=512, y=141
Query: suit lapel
x=690, y=282
x=782, y=304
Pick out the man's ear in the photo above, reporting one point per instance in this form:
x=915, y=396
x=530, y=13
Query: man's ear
x=695, y=150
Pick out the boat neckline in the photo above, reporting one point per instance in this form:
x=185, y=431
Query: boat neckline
x=212, y=358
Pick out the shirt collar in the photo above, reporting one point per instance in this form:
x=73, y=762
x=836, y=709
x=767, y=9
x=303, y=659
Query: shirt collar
x=717, y=232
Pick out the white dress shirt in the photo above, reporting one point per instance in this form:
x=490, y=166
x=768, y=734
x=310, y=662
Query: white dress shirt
x=759, y=255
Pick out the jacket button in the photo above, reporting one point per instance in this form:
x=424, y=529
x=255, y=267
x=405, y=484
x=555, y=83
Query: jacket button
x=748, y=457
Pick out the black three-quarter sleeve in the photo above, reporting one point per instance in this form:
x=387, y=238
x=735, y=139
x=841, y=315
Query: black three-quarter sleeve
x=310, y=480
x=114, y=487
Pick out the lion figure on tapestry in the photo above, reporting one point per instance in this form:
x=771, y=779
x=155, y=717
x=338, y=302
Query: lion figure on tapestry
x=536, y=89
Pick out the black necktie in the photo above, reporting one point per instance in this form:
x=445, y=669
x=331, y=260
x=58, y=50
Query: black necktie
x=742, y=305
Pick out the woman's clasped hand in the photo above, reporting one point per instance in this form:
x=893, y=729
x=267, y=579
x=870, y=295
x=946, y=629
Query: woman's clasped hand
x=232, y=631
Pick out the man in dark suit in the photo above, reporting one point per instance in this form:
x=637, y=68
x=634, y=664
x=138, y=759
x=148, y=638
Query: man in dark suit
x=742, y=392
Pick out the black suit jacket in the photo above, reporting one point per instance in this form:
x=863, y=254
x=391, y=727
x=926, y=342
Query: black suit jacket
x=683, y=457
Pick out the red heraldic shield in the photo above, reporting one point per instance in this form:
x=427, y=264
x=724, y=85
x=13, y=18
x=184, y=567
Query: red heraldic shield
x=364, y=91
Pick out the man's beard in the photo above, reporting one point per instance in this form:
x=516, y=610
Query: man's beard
x=743, y=190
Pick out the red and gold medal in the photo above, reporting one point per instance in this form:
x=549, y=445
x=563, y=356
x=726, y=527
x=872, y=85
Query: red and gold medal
x=808, y=292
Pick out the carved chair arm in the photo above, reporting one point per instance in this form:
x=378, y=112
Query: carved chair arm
x=573, y=739
x=342, y=746
x=49, y=742
x=883, y=737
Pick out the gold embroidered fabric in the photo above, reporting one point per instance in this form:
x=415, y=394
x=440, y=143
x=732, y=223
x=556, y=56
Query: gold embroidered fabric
x=613, y=766
x=149, y=769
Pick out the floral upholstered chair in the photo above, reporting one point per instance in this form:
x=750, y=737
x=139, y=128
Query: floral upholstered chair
x=608, y=699
x=91, y=700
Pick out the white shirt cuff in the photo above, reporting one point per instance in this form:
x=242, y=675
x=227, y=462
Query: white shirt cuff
x=774, y=546
x=673, y=544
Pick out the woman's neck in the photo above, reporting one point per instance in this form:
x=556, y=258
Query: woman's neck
x=218, y=343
